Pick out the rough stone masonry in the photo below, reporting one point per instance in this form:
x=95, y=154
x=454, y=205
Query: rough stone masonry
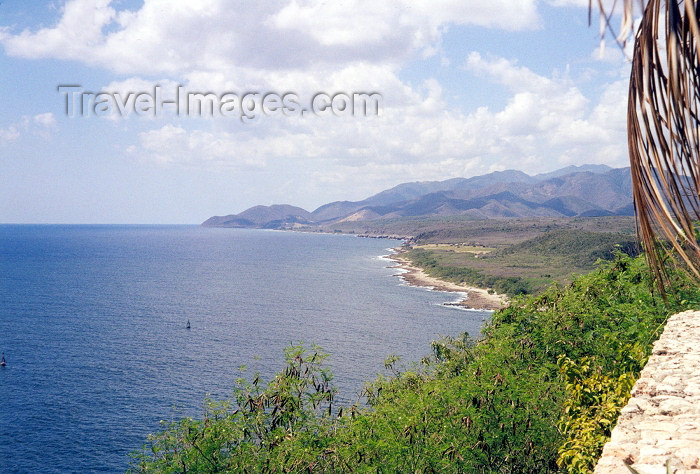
x=661, y=422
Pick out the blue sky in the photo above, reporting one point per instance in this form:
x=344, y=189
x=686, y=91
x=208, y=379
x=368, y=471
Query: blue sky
x=468, y=88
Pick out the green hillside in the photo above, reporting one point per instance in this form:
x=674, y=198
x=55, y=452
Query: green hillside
x=525, y=267
x=540, y=393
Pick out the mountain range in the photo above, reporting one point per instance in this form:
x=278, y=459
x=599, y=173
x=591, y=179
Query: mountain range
x=582, y=191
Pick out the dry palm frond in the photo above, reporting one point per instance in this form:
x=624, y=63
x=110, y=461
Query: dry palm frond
x=626, y=24
x=663, y=130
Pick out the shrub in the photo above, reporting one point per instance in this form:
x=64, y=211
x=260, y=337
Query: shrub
x=539, y=393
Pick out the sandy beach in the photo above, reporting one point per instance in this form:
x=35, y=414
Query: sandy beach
x=477, y=298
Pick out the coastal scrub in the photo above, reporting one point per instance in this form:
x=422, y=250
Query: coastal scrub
x=539, y=393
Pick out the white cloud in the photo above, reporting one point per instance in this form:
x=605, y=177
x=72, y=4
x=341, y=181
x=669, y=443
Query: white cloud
x=516, y=78
x=77, y=34
x=546, y=120
x=41, y=124
x=355, y=23
x=8, y=134
x=309, y=46
x=138, y=84
x=46, y=120
x=557, y=113
x=166, y=36
x=174, y=144
x=607, y=4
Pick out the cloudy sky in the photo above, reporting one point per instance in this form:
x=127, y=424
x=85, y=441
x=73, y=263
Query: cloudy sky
x=467, y=88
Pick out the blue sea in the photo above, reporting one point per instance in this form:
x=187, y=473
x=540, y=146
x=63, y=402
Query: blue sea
x=93, y=327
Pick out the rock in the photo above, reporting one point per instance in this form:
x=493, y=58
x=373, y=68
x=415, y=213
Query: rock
x=661, y=421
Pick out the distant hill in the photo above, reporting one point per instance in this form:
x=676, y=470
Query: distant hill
x=277, y=215
x=584, y=191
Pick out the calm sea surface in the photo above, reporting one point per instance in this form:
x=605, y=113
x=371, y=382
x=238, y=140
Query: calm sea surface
x=92, y=324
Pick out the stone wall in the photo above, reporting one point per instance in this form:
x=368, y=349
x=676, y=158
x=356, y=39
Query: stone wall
x=661, y=422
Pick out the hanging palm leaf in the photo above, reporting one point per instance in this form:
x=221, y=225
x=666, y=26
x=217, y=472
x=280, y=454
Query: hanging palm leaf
x=663, y=130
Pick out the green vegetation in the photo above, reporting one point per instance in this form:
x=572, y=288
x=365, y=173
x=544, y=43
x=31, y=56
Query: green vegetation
x=525, y=267
x=540, y=393
x=488, y=232
x=512, y=256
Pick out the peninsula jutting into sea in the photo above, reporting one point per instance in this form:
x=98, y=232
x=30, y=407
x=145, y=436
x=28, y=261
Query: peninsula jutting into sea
x=506, y=233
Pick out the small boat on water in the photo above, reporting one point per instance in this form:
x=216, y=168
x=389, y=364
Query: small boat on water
x=188, y=324
x=2, y=361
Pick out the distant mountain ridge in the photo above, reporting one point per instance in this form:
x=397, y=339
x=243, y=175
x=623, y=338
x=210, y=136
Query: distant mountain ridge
x=585, y=191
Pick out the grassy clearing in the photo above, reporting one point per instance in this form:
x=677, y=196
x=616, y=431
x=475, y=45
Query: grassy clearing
x=457, y=248
x=525, y=267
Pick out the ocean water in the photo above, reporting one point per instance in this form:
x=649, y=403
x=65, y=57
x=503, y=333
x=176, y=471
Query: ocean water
x=92, y=324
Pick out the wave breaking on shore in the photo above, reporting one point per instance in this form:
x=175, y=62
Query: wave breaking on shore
x=472, y=298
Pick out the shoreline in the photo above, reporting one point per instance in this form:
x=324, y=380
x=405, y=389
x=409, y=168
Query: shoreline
x=476, y=298
x=471, y=298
